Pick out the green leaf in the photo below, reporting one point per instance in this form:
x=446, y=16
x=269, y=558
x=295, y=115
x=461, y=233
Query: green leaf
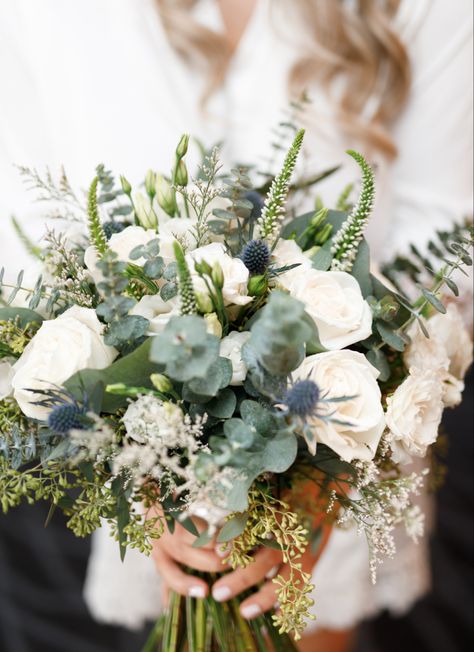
x=389, y=336
x=451, y=285
x=203, y=539
x=378, y=360
x=127, y=329
x=24, y=315
x=134, y=369
x=223, y=405
x=433, y=300
x=233, y=528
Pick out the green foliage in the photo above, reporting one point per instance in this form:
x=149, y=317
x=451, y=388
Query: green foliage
x=96, y=232
x=33, y=250
x=346, y=241
x=273, y=210
x=185, y=348
x=239, y=211
x=279, y=335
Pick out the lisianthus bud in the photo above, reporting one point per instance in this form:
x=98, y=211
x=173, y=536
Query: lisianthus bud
x=161, y=383
x=319, y=217
x=181, y=174
x=217, y=276
x=182, y=147
x=126, y=187
x=204, y=303
x=257, y=285
x=166, y=195
x=144, y=211
x=202, y=267
x=150, y=183
x=324, y=234
x=213, y=325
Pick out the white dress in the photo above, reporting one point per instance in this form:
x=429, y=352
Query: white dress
x=89, y=81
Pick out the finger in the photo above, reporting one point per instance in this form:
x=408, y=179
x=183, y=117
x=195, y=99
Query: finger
x=176, y=579
x=202, y=560
x=265, y=561
x=262, y=601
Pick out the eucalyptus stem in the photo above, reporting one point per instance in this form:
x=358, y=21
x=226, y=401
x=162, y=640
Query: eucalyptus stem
x=190, y=623
x=201, y=626
x=156, y=633
x=244, y=629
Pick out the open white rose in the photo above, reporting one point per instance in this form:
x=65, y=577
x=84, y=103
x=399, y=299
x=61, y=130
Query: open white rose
x=6, y=376
x=414, y=413
x=287, y=253
x=447, y=353
x=338, y=374
x=61, y=347
x=157, y=311
x=236, y=275
x=231, y=348
x=122, y=244
x=335, y=303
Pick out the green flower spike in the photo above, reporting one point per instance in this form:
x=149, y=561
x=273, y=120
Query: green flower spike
x=274, y=207
x=185, y=283
x=96, y=231
x=347, y=239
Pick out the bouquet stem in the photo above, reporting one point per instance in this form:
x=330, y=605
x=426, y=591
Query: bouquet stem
x=204, y=625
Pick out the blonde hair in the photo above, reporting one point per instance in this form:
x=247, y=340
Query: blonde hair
x=354, y=42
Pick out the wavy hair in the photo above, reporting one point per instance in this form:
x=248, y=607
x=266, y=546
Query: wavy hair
x=354, y=43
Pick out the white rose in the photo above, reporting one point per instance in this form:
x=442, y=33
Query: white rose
x=6, y=376
x=356, y=425
x=335, y=303
x=157, y=311
x=178, y=228
x=414, y=413
x=61, y=347
x=231, y=348
x=213, y=325
x=287, y=253
x=122, y=244
x=447, y=352
x=236, y=275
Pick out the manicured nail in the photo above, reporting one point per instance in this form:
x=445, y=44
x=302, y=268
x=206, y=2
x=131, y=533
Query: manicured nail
x=251, y=611
x=221, y=593
x=272, y=572
x=197, y=592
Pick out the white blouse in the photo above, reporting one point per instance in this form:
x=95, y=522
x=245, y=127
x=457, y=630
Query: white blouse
x=90, y=81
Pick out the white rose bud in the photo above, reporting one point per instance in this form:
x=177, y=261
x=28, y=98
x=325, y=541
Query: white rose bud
x=60, y=348
x=213, y=325
x=231, y=348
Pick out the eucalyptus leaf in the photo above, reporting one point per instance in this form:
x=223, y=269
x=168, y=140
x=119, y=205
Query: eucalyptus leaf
x=233, y=528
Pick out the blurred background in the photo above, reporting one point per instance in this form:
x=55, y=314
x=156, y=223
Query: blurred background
x=42, y=609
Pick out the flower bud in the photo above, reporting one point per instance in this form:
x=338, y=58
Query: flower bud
x=161, y=383
x=388, y=308
x=150, y=183
x=181, y=174
x=182, y=147
x=324, y=234
x=257, y=286
x=204, y=303
x=144, y=212
x=318, y=218
x=213, y=325
x=166, y=195
x=217, y=276
x=203, y=268
x=126, y=187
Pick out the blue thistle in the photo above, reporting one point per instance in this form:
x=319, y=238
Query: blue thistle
x=256, y=200
x=302, y=398
x=112, y=227
x=65, y=416
x=256, y=256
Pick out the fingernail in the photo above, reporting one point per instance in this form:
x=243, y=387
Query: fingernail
x=197, y=592
x=272, y=572
x=221, y=593
x=251, y=611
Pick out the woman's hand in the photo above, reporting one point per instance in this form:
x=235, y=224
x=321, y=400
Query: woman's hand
x=171, y=551
x=266, y=565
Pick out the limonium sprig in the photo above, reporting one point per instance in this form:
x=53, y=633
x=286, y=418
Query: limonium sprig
x=96, y=231
x=273, y=208
x=349, y=236
x=185, y=283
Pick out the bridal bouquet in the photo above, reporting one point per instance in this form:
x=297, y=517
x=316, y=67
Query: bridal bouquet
x=196, y=352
